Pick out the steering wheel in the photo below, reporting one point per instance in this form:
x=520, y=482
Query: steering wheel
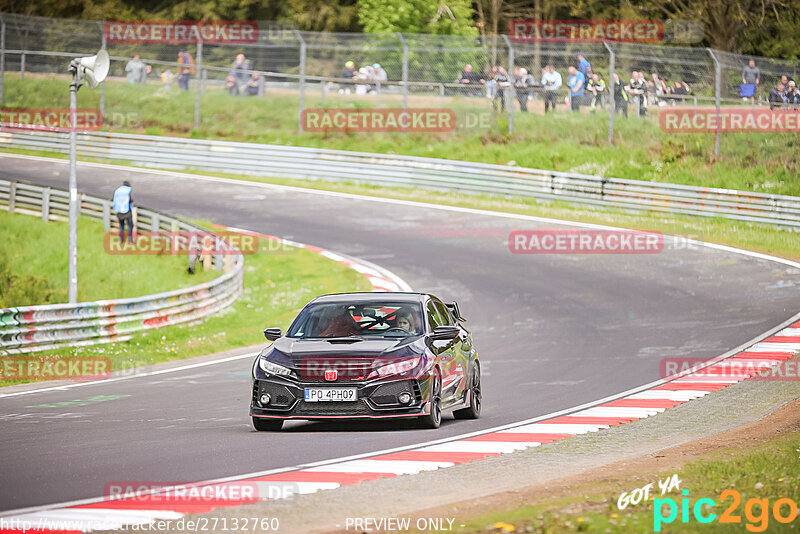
x=397, y=328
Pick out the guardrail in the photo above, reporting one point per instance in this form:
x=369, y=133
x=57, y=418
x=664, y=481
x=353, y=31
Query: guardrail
x=36, y=328
x=418, y=172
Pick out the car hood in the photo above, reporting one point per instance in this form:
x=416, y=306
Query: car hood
x=296, y=350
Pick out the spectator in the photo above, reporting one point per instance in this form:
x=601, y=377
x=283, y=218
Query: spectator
x=584, y=67
x=681, y=89
x=785, y=80
x=597, y=86
x=185, y=70
x=239, y=71
x=638, y=89
x=751, y=76
x=348, y=73
x=793, y=95
x=620, y=97
x=551, y=81
x=253, y=85
x=123, y=205
x=364, y=75
x=576, y=82
x=469, y=78
x=777, y=97
x=491, y=85
x=380, y=74
x=136, y=70
x=231, y=85
x=167, y=78
x=501, y=82
x=522, y=84
x=660, y=87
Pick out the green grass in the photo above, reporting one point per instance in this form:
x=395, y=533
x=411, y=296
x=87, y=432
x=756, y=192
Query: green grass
x=565, y=142
x=767, y=471
x=277, y=283
x=34, y=254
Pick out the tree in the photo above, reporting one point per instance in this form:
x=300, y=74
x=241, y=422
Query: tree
x=451, y=17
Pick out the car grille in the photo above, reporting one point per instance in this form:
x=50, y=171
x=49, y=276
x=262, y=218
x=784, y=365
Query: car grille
x=351, y=372
x=332, y=408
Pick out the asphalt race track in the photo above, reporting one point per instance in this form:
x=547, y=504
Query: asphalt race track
x=554, y=331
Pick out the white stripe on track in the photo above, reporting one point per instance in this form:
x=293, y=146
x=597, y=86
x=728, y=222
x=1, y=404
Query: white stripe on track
x=282, y=490
x=775, y=347
x=501, y=447
x=680, y=395
x=397, y=467
x=618, y=411
x=789, y=332
x=556, y=428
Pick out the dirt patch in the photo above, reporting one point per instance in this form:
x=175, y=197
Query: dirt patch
x=781, y=422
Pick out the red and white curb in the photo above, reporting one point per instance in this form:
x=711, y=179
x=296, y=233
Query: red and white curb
x=380, y=278
x=110, y=514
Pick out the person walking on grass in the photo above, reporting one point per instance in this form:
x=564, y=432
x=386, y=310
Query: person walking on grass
x=123, y=205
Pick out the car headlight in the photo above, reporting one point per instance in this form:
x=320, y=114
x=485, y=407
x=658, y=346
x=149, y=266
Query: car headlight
x=273, y=368
x=403, y=367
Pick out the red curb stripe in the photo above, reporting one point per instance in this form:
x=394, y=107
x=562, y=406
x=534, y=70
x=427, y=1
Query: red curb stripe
x=782, y=339
x=437, y=456
x=322, y=476
x=643, y=403
x=181, y=506
x=694, y=386
x=778, y=356
x=579, y=420
x=517, y=437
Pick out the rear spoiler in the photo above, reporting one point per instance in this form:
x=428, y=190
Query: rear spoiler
x=453, y=307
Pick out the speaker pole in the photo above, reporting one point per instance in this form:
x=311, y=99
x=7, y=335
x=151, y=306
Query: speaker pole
x=73, y=188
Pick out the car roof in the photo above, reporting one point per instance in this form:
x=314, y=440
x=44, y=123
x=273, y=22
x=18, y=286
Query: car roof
x=359, y=297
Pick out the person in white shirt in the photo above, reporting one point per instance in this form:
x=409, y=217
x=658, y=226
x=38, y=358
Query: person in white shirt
x=551, y=81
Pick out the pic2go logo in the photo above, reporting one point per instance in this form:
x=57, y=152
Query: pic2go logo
x=756, y=511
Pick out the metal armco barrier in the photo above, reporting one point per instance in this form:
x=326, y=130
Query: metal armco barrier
x=36, y=328
x=409, y=171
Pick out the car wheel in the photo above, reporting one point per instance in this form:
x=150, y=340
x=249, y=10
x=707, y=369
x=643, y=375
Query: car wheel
x=265, y=425
x=434, y=419
x=473, y=411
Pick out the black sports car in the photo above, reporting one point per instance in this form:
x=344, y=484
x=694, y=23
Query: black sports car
x=368, y=355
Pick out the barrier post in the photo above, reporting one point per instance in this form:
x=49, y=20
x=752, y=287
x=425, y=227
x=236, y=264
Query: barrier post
x=511, y=90
x=717, y=93
x=12, y=197
x=612, y=93
x=199, y=72
x=103, y=83
x=106, y=215
x=46, y=204
x=405, y=70
x=302, y=79
x=2, y=59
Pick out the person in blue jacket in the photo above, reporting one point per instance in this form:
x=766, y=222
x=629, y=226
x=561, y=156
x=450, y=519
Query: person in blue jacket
x=123, y=205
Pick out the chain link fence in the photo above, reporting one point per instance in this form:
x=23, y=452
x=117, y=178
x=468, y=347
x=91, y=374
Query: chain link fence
x=326, y=70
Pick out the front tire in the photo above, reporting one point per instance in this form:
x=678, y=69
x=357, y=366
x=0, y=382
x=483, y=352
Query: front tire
x=473, y=411
x=434, y=418
x=267, y=425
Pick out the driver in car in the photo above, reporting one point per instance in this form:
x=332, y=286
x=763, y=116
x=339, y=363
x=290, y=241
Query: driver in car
x=340, y=325
x=404, y=320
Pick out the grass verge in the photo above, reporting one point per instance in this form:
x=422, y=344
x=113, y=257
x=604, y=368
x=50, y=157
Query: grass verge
x=277, y=283
x=766, y=473
x=33, y=265
x=767, y=162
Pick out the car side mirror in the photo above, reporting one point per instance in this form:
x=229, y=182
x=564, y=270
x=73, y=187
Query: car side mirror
x=272, y=333
x=444, y=333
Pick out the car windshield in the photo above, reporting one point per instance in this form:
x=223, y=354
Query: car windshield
x=386, y=319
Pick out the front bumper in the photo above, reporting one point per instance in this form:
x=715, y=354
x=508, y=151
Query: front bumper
x=374, y=400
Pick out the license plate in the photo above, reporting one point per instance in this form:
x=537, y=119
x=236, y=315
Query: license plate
x=331, y=395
